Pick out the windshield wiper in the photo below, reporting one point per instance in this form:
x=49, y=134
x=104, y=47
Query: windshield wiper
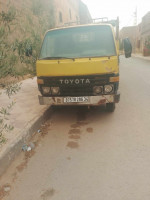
x=101, y=56
x=96, y=56
x=55, y=58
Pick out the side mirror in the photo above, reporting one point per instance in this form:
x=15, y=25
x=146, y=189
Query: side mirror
x=127, y=47
x=28, y=51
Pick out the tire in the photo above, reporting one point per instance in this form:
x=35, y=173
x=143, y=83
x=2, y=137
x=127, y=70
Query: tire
x=110, y=107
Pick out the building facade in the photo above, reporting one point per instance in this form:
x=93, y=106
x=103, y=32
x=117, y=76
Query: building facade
x=65, y=11
x=139, y=35
x=62, y=11
x=145, y=33
x=84, y=13
x=131, y=33
x=70, y=12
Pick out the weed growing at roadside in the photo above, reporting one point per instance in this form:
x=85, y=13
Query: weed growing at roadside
x=5, y=111
x=21, y=32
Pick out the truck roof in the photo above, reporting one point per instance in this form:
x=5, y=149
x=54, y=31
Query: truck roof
x=83, y=25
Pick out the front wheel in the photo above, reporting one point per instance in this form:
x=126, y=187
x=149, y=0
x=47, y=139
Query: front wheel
x=110, y=107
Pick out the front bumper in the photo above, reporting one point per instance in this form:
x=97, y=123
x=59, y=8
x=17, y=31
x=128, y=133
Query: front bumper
x=92, y=100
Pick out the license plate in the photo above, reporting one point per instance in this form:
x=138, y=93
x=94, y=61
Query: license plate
x=75, y=99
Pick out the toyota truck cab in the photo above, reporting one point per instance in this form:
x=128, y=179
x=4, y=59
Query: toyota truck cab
x=79, y=65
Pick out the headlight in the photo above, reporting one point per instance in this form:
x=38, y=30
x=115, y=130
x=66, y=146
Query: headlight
x=46, y=90
x=55, y=90
x=108, y=88
x=97, y=90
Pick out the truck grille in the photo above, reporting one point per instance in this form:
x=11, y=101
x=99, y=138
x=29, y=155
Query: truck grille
x=76, y=91
x=81, y=88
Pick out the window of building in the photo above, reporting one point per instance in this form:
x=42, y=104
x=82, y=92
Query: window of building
x=60, y=17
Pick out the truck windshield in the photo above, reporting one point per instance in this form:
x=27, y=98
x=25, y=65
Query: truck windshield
x=78, y=42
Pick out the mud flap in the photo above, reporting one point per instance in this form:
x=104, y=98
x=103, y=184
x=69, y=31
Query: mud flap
x=117, y=98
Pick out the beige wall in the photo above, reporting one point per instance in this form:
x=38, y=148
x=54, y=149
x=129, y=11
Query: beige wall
x=138, y=34
x=85, y=16
x=131, y=33
x=145, y=28
x=69, y=10
x=73, y=12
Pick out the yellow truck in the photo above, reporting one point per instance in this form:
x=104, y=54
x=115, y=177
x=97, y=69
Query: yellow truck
x=79, y=65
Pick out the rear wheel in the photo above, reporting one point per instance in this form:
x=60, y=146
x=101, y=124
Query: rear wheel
x=110, y=107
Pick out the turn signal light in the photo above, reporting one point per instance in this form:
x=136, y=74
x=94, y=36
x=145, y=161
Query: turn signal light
x=114, y=79
x=40, y=81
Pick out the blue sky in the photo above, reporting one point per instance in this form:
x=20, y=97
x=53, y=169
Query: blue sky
x=124, y=9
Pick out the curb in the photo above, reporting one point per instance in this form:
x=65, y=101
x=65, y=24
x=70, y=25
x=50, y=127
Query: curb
x=141, y=57
x=14, y=149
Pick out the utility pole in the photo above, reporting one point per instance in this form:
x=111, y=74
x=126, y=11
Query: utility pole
x=135, y=24
x=135, y=17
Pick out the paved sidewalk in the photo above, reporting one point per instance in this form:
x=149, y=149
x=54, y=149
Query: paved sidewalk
x=141, y=56
x=26, y=117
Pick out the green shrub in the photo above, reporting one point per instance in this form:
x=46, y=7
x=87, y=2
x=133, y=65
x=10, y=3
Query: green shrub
x=5, y=111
